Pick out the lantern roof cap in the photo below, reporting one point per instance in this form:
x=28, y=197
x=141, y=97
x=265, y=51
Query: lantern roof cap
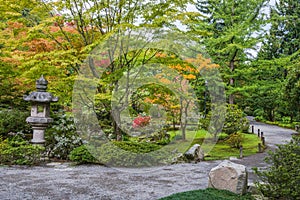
x=41, y=95
x=41, y=84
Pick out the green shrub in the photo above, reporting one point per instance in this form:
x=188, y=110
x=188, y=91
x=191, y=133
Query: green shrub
x=124, y=154
x=222, y=136
x=61, y=137
x=259, y=112
x=282, y=179
x=235, y=140
x=286, y=125
x=137, y=147
x=235, y=120
x=286, y=120
x=260, y=118
x=161, y=137
x=13, y=121
x=208, y=194
x=17, y=151
x=82, y=155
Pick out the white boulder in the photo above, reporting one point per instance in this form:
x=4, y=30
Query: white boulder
x=229, y=176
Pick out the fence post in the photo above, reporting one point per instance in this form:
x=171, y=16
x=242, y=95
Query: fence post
x=261, y=134
x=297, y=128
x=241, y=152
x=252, y=129
x=263, y=141
x=259, y=148
x=258, y=132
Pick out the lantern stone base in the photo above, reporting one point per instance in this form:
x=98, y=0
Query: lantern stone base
x=38, y=133
x=39, y=125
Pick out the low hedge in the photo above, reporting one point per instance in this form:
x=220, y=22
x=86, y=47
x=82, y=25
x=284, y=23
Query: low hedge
x=122, y=154
x=17, y=151
x=13, y=120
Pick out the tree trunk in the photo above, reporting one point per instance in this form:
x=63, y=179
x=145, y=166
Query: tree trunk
x=116, y=124
x=231, y=99
x=231, y=83
x=174, y=123
x=183, y=120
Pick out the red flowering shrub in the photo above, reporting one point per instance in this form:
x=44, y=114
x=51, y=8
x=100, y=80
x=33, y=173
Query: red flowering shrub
x=141, y=121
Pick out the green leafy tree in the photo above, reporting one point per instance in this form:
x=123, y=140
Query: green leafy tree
x=264, y=88
x=235, y=121
x=280, y=50
x=96, y=21
x=231, y=28
x=292, y=91
x=54, y=38
x=285, y=27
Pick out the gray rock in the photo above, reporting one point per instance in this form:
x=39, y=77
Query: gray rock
x=229, y=176
x=195, y=153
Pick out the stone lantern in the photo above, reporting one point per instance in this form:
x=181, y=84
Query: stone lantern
x=40, y=110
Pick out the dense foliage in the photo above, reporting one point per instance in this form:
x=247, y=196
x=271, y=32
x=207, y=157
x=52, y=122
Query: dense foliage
x=13, y=121
x=235, y=120
x=123, y=154
x=281, y=180
x=141, y=121
x=82, y=155
x=229, y=27
x=16, y=150
x=61, y=137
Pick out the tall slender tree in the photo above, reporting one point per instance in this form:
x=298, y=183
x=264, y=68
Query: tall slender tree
x=233, y=28
x=282, y=48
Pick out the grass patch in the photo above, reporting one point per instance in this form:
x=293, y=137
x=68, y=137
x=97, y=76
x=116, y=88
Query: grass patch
x=221, y=150
x=208, y=194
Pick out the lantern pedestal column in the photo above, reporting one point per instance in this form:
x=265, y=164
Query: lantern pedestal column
x=39, y=125
x=38, y=133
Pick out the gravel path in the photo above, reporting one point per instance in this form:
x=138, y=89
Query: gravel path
x=273, y=135
x=63, y=181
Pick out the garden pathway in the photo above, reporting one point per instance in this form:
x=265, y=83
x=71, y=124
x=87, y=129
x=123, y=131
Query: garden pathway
x=62, y=181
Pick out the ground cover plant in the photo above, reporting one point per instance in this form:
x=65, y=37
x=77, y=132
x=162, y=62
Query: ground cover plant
x=15, y=150
x=208, y=194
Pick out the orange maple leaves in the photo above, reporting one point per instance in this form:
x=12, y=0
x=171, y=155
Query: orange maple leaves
x=191, y=67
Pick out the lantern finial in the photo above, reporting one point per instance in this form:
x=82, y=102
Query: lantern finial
x=41, y=84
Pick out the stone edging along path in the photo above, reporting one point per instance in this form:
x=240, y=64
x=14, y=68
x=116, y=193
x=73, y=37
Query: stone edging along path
x=62, y=181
